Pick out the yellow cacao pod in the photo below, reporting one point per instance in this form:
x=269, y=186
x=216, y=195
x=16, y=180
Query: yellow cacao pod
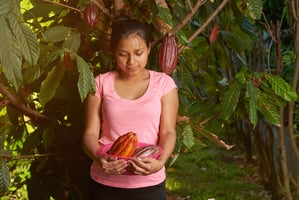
x=124, y=146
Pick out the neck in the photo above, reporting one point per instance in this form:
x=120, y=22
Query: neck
x=139, y=76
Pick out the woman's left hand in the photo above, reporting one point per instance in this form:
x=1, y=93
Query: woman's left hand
x=145, y=166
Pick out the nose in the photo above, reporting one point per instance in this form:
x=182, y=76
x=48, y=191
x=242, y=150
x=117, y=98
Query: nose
x=131, y=59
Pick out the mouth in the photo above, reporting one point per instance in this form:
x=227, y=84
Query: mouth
x=131, y=68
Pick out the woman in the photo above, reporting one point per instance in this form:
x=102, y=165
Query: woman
x=131, y=98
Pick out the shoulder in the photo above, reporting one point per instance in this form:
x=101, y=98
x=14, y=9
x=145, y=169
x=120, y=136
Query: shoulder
x=104, y=76
x=161, y=77
x=162, y=82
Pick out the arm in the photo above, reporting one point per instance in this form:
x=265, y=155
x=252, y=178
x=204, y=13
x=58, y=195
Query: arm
x=91, y=137
x=167, y=136
x=168, y=124
x=92, y=126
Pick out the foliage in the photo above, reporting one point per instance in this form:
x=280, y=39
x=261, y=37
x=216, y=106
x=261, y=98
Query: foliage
x=49, y=56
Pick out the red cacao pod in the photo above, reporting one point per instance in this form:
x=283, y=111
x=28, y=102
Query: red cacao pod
x=168, y=54
x=146, y=151
x=67, y=60
x=91, y=14
x=124, y=146
x=214, y=33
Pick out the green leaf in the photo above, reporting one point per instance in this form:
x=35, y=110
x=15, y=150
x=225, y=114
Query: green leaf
x=86, y=80
x=268, y=109
x=27, y=40
x=282, y=88
x=241, y=75
x=230, y=100
x=251, y=94
x=188, y=139
x=255, y=8
x=4, y=177
x=50, y=84
x=57, y=33
x=10, y=56
x=5, y=6
x=72, y=42
x=165, y=15
x=237, y=39
x=31, y=73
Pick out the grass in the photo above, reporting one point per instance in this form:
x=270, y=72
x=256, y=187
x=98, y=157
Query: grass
x=212, y=173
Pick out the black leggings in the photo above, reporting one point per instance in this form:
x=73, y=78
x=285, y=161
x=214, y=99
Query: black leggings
x=102, y=192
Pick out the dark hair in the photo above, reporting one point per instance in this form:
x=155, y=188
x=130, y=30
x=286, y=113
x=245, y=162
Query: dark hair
x=123, y=27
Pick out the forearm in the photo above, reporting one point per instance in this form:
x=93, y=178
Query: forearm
x=167, y=143
x=91, y=145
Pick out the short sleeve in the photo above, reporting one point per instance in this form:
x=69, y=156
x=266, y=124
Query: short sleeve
x=168, y=84
x=99, y=86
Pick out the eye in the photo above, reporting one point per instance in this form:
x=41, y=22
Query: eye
x=122, y=54
x=139, y=53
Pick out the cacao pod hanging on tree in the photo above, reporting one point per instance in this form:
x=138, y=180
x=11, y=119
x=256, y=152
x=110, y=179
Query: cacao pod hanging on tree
x=67, y=60
x=124, y=146
x=168, y=54
x=214, y=33
x=91, y=14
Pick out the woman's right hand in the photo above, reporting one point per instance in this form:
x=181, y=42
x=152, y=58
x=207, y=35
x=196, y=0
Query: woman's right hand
x=113, y=166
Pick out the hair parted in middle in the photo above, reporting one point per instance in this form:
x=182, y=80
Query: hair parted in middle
x=123, y=26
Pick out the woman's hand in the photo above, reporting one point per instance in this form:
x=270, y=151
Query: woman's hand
x=113, y=166
x=145, y=166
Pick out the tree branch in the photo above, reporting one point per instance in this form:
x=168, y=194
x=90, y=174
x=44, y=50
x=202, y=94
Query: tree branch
x=118, y=5
x=63, y=5
x=34, y=156
x=207, y=22
x=14, y=101
x=188, y=17
x=101, y=6
x=180, y=25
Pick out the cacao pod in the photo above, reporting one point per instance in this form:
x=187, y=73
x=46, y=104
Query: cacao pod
x=214, y=33
x=168, y=54
x=124, y=146
x=91, y=14
x=67, y=60
x=146, y=151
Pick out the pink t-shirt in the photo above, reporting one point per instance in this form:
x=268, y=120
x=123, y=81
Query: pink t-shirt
x=141, y=116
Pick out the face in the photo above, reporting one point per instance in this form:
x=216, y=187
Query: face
x=131, y=54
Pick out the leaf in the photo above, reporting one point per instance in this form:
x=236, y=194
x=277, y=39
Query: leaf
x=164, y=13
x=268, y=109
x=27, y=40
x=86, y=80
x=230, y=100
x=50, y=84
x=251, y=94
x=237, y=39
x=10, y=56
x=282, y=88
x=4, y=177
x=188, y=139
x=57, y=33
x=5, y=6
x=241, y=75
x=255, y=8
x=72, y=42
